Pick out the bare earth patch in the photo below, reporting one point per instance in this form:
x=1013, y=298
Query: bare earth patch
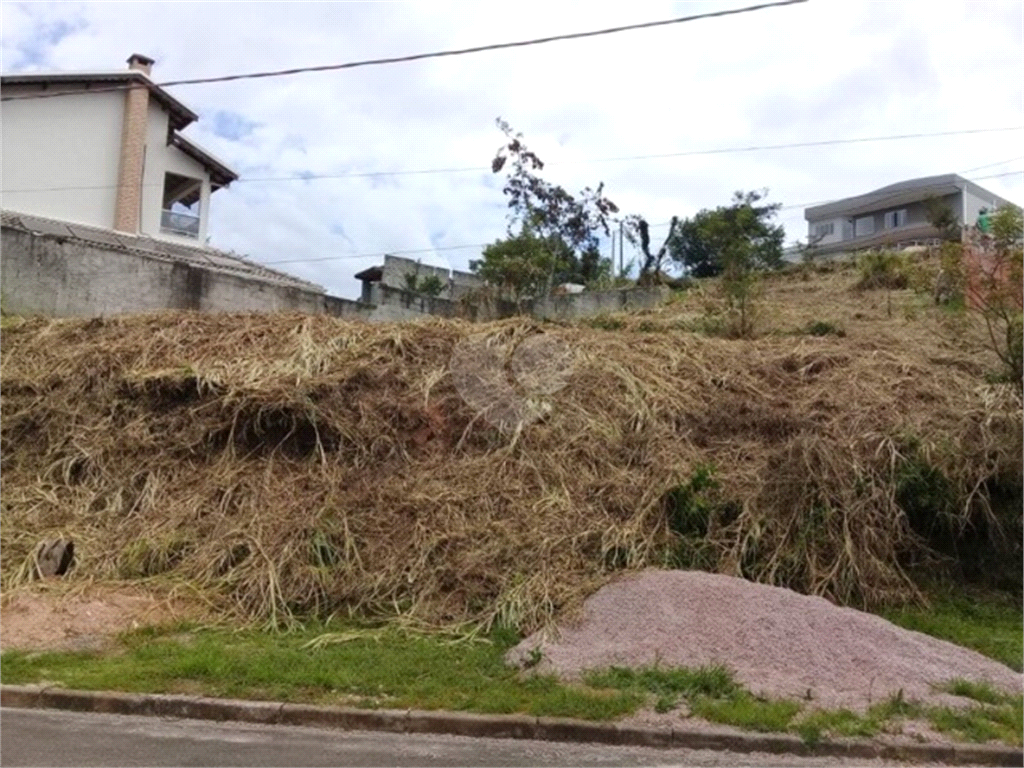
x=779, y=643
x=41, y=617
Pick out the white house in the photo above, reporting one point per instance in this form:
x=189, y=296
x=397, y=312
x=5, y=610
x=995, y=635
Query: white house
x=895, y=214
x=103, y=149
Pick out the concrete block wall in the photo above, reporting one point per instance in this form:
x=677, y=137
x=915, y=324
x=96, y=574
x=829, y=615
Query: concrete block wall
x=457, y=284
x=461, y=284
x=47, y=275
x=54, y=276
x=396, y=268
x=591, y=303
x=395, y=302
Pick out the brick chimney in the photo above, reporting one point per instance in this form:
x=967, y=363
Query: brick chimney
x=133, y=149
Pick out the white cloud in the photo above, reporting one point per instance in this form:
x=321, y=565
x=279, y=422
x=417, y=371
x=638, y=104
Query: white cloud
x=813, y=71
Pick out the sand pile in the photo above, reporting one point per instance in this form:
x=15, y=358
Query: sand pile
x=778, y=643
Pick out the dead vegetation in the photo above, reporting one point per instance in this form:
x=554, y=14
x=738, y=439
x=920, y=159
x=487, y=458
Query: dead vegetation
x=291, y=465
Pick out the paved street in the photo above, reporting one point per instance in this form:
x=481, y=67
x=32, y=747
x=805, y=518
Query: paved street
x=55, y=738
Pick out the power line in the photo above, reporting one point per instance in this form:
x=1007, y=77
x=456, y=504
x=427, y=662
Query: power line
x=420, y=56
x=687, y=153
x=993, y=165
x=376, y=254
x=379, y=254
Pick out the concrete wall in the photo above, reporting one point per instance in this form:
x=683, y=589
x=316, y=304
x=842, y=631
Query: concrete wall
x=47, y=275
x=399, y=304
x=74, y=141
x=457, y=284
x=462, y=284
x=591, y=303
x=54, y=276
x=396, y=268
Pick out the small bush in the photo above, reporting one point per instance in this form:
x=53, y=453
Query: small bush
x=883, y=269
x=687, y=507
x=824, y=328
x=431, y=285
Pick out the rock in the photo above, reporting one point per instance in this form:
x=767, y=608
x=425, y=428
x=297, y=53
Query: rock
x=54, y=557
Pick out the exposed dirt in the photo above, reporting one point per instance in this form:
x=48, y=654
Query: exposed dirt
x=778, y=643
x=42, y=618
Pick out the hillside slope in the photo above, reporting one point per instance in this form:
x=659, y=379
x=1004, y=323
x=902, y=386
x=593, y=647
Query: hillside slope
x=293, y=464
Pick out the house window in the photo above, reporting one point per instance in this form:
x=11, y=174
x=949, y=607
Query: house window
x=181, y=206
x=864, y=226
x=824, y=230
x=895, y=219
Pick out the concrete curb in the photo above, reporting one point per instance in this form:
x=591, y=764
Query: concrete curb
x=491, y=726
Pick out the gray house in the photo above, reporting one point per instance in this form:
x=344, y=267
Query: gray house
x=895, y=214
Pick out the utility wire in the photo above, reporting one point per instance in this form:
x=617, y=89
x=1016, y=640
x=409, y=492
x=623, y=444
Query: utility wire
x=419, y=56
x=993, y=165
x=379, y=254
x=688, y=153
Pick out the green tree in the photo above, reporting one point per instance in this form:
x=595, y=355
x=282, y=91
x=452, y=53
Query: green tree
x=998, y=293
x=691, y=248
x=742, y=235
x=941, y=216
x=522, y=264
x=569, y=226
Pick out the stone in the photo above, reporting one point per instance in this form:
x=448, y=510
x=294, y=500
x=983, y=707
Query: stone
x=54, y=557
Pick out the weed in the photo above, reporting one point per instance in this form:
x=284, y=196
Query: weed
x=535, y=658
x=824, y=328
x=714, y=681
x=606, y=323
x=983, y=723
x=687, y=507
x=747, y=711
x=977, y=690
x=927, y=497
x=839, y=722
x=666, y=703
x=894, y=706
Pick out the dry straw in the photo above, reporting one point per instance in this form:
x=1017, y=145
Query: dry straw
x=287, y=465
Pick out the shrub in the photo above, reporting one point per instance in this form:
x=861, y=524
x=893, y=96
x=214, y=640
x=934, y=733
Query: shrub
x=883, y=269
x=431, y=285
x=824, y=328
x=995, y=291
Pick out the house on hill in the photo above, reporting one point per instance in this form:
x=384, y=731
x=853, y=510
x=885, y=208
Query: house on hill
x=105, y=149
x=895, y=214
x=106, y=204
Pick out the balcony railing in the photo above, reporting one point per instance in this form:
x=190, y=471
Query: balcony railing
x=175, y=223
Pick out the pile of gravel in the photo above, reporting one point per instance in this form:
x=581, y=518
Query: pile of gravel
x=778, y=643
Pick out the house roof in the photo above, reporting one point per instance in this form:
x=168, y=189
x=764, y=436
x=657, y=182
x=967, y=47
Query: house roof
x=220, y=174
x=150, y=247
x=181, y=115
x=901, y=193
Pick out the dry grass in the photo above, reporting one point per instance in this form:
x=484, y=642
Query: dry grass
x=289, y=464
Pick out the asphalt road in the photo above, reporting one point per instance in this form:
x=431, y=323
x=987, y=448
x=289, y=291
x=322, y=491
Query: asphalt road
x=57, y=738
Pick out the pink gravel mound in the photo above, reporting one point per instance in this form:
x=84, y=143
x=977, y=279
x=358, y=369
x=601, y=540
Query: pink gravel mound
x=779, y=643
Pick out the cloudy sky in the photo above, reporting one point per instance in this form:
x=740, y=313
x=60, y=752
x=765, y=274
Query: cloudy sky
x=815, y=71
